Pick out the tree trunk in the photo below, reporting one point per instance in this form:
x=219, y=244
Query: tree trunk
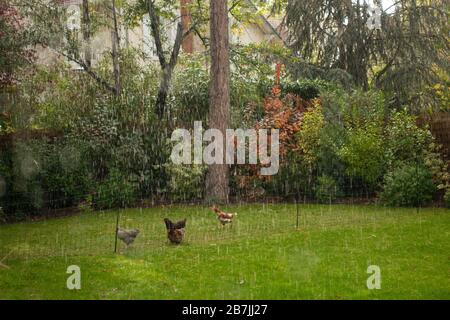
x=87, y=34
x=219, y=114
x=166, y=67
x=167, y=72
x=115, y=50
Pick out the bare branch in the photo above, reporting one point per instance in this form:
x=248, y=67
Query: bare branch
x=177, y=45
x=89, y=71
x=116, y=50
x=155, y=27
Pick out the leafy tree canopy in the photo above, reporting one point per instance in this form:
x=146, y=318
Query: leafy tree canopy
x=406, y=56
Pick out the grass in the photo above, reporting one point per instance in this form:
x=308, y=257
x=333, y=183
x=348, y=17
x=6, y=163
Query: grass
x=262, y=257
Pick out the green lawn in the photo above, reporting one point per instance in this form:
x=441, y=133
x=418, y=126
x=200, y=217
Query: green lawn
x=262, y=257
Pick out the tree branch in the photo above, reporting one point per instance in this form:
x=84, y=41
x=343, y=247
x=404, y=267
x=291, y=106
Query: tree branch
x=116, y=50
x=202, y=38
x=155, y=27
x=177, y=45
x=86, y=28
x=89, y=71
x=387, y=66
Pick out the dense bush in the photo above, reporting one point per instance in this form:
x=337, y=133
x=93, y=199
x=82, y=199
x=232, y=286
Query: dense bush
x=310, y=135
x=405, y=141
x=66, y=176
x=363, y=154
x=115, y=192
x=362, y=149
x=43, y=173
x=112, y=149
x=408, y=185
x=326, y=189
x=306, y=89
x=186, y=182
x=13, y=202
x=3, y=217
x=190, y=91
x=447, y=198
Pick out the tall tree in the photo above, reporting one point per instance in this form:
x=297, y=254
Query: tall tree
x=193, y=16
x=402, y=56
x=219, y=94
x=167, y=67
x=14, y=43
x=86, y=27
x=115, y=41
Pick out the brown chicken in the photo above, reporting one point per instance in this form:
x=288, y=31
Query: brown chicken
x=175, y=231
x=223, y=217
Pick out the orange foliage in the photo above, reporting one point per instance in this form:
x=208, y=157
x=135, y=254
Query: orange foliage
x=286, y=114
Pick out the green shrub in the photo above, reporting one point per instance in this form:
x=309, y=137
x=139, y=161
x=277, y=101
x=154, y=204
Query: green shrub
x=408, y=185
x=66, y=176
x=447, y=198
x=326, y=189
x=292, y=178
x=190, y=90
x=115, y=192
x=363, y=154
x=310, y=134
x=3, y=217
x=186, y=181
x=43, y=173
x=306, y=89
x=352, y=139
x=362, y=149
x=405, y=140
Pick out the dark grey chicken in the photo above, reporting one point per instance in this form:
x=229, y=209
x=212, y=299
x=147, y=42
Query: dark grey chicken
x=127, y=236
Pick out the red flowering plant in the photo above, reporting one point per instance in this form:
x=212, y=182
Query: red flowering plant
x=282, y=111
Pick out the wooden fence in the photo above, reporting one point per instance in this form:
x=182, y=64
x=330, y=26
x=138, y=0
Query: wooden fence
x=439, y=124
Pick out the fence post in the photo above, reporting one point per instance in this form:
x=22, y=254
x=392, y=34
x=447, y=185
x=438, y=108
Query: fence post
x=117, y=229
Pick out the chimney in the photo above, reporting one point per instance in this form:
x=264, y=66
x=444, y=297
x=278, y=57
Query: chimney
x=188, y=42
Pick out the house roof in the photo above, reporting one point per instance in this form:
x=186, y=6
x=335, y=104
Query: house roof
x=267, y=26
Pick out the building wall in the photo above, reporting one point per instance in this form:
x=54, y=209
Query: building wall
x=140, y=38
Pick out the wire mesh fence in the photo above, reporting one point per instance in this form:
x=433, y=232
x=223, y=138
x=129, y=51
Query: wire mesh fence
x=93, y=232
